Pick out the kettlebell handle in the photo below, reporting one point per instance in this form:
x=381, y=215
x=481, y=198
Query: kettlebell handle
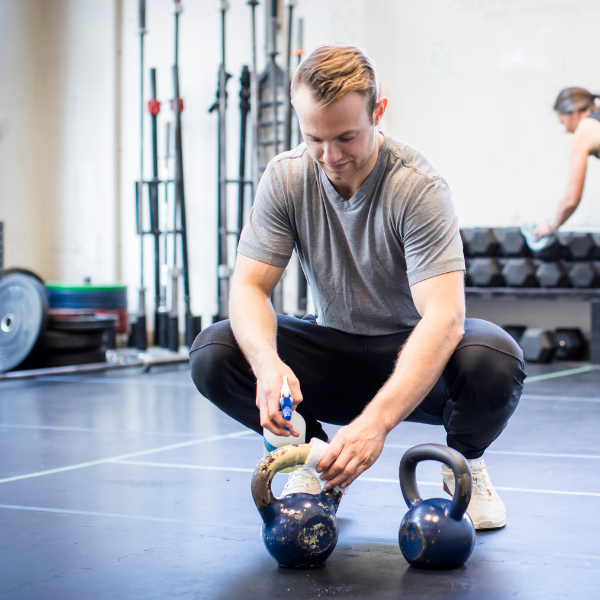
x=455, y=460
x=282, y=458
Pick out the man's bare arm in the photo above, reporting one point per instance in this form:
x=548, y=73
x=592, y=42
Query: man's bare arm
x=440, y=302
x=254, y=325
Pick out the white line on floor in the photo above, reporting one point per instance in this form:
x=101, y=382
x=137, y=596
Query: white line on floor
x=92, y=463
x=118, y=380
x=257, y=440
x=549, y=397
x=369, y=479
x=93, y=430
x=101, y=514
x=507, y=452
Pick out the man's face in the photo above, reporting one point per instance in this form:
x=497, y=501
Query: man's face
x=341, y=136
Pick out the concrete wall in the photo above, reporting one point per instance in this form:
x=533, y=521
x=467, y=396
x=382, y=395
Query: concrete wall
x=471, y=83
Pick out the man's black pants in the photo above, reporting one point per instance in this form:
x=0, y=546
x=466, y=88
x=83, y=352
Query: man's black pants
x=340, y=373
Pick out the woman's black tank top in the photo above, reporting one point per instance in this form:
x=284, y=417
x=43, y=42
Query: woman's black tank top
x=595, y=114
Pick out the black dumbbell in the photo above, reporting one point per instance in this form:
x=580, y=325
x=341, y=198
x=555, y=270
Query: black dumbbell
x=538, y=345
x=485, y=272
x=585, y=274
x=463, y=238
x=582, y=246
x=481, y=241
x=553, y=274
x=571, y=343
x=555, y=251
x=515, y=331
x=520, y=272
x=512, y=242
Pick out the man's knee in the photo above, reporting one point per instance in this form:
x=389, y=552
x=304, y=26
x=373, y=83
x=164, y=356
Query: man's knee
x=212, y=357
x=489, y=369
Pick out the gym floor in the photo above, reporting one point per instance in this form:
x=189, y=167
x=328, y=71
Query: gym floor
x=133, y=486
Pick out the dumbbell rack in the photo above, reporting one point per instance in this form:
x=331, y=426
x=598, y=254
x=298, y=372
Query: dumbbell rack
x=582, y=295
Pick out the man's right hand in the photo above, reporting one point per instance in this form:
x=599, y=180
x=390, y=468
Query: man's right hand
x=269, y=380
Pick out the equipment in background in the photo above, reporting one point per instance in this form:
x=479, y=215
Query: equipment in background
x=544, y=345
x=572, y=345
x=436, y=533
x=272, y=95
x=520, y=272
x=193, y=324
x=515, y=331
x=254, y=107
x=76, y=340
x=569, y=260
x=23, y=319
x=299, y=530
x=244, y=110
x=512, y=243
x=302, y=301
x=582, y=246
x=481, y=241
x=538, y=345
x=585, y=274
x=485, y=272
x=553, y=274
x=153, y=190
x=178, y=231
x=139, y=335
x=220, y=105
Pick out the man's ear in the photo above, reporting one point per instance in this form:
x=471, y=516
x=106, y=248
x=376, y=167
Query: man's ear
x=379, y=111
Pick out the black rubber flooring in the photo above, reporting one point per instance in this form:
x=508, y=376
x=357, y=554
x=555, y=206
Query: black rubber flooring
x=133, y=486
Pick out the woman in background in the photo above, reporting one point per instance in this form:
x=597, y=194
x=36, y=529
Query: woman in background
x=577, y=111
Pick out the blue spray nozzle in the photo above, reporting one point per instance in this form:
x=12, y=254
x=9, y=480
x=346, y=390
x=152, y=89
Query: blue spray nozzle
x=286, y=402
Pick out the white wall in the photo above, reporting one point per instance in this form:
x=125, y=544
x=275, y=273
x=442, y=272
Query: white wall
x=471, y=83
x=57, y=150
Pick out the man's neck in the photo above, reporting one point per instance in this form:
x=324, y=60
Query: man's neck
x=347, y=189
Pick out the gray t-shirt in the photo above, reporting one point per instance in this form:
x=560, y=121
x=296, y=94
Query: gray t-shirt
x=361, y=255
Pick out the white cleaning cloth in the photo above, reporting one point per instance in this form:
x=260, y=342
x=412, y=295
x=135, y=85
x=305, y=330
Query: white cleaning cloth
x=317, y=452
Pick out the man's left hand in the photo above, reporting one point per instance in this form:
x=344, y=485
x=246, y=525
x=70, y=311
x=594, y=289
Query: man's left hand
x=353, y=449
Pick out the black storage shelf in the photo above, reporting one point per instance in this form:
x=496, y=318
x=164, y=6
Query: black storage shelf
x=576, y=294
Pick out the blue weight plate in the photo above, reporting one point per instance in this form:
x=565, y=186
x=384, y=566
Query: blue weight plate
x=94, y=299
x=23, y=318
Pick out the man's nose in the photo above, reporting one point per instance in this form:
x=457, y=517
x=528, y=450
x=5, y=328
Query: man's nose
x=331, y=153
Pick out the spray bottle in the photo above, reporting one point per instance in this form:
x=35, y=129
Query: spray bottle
x=272, y=441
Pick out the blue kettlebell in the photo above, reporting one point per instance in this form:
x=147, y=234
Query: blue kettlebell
x=299, y=530
x=436, y=533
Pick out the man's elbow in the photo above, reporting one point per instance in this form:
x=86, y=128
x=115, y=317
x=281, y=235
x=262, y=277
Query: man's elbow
x=457, y=327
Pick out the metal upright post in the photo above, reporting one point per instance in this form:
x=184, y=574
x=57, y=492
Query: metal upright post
x=287, y=131
x=139, y=328
x=255, y=106
x=223, y=265
x=244, y=108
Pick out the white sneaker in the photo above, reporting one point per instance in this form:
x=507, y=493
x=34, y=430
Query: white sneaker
x=486, y=509
x=302, y=481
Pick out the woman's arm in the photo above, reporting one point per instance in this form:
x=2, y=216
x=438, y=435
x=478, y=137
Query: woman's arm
x=584, y=141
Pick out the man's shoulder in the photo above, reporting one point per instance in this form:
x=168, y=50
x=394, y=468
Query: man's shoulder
x=293, y=161
x=409, y=163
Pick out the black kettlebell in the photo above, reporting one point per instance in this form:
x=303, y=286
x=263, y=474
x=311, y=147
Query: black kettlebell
x=299, y=530
x=436, y=533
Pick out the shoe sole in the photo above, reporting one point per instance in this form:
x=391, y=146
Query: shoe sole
x=482, y=525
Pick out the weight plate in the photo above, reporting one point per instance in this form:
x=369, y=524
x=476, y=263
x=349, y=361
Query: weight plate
x=77, y=299
x=56, y=286
x=23, y=318
x=83, y=323
x=13, y=270
x=73, y=340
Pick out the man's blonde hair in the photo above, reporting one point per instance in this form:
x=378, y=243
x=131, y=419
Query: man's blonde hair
x=333, y=71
